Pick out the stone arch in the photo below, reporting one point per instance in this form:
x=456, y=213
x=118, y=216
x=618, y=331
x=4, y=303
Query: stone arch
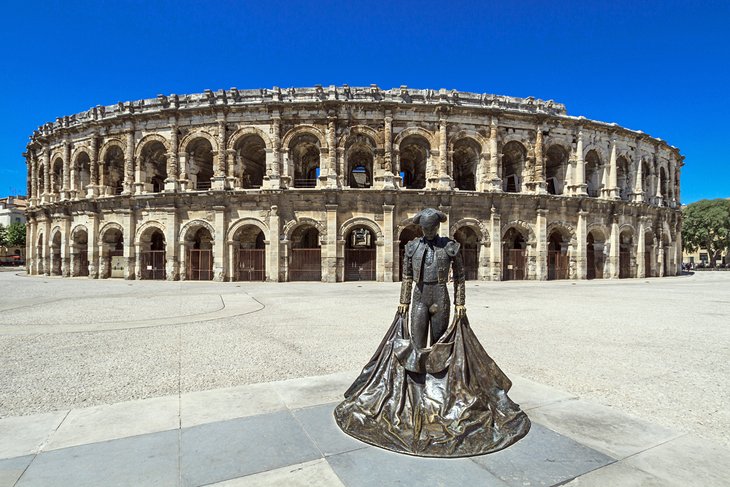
x=108, y=144
x=81, y=163
x=513, y=156
x=78, y=150
x=565, y=228
x=146, y=229
x=561, y=247
x=55, y=244
x=244, y=132
x=360, y=221
x=475, y=224
x=525, y=228
x=110, y=226
x=420, y=131
x=304, y=129
x=365, y=130
x=185, y=230
x=599, y=229
x=292, y=225
x=479, y=139
x=243, y=222
x=148, y=139
x=360, y=151
x=600, y=150
x=594, y=167
x=78, y=228
x=79, y=251
x=465, y=152
x=197, y=134
x=557, y=161
x=517, y=250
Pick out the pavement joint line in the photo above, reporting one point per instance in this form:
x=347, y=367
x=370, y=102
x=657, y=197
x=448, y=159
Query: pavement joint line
x=42, y=446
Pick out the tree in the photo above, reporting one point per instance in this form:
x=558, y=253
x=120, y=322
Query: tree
x=3, y=236
x=706, y=225
x=16, y=235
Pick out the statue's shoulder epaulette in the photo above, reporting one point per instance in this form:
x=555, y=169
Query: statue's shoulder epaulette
x=411, y=246
x=452, y=247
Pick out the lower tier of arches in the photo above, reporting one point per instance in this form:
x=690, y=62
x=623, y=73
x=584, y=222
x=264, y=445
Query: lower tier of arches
x=311, y=236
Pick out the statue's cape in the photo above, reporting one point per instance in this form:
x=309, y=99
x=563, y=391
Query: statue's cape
x=449, y=400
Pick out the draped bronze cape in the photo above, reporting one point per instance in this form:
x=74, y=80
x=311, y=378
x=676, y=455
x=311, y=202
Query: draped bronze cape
x=449, y=400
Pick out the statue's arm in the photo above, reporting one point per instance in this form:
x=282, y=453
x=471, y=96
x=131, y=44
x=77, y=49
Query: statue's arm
x=406, y=286
x=457, y=266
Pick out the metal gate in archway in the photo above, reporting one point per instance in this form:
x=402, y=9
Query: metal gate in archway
x=153, y=264
x=199, y=265
x=252, y=265
x=83, y=257
x=515, y=265
x=305, y=265
x=471, y=263
x=360, y=264
x=624, y=264
x=557, y=265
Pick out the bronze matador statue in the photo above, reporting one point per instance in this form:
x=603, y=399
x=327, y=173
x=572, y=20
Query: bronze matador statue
x=448, y=399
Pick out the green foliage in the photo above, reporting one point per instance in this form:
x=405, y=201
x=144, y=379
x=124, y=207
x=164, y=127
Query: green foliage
x=706, y=225
x=16, y=235
x=3, y=236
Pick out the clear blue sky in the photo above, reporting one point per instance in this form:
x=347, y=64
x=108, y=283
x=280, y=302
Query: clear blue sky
x=658, y=66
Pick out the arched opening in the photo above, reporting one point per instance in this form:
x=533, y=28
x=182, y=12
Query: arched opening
x=646, y=181
x=360, y=156
x=111, y=261
x=56, y=254
x=200, y=164
x=153, y=254
x=406, y=235
x=625, y=258
x=622, y=178
x=558, y=262
x=666, y=255
x=360, y=255
x=649, y=254
x=112, y=175
x=251, y=254
x=41, y=189
x=250, y=161
x=513, y=162
x=414, y=153
x=469, y=249
x=56, y=175
x=80, y=253
x=82, y=167
x=595, y=243
x=593, y=170
x=199, y=255
x=514, y=256
x=664, y=186
x=305, y=152
x=153, y=162
x=556, y=164
x=465, y=159
x=306, y=255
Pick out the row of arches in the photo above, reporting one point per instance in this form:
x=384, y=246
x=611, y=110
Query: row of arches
x=361, y=255
x=249, y=157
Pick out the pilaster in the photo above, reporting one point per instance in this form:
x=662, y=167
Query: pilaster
x=579, y=183
x=172, y=234
x=219, y=244
x=129, y=168
x=495, y=183
x=613, y=251
x=541, y=256
x=581, y=252
x=274, y=247
x=329, y=252
x=390, y=273
x=132, y=264
x=495, y=250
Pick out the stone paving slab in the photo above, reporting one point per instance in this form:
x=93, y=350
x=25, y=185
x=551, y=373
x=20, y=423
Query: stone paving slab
x=283, y=433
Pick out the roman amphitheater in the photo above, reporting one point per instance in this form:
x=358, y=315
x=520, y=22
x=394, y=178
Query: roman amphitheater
x=319, y=184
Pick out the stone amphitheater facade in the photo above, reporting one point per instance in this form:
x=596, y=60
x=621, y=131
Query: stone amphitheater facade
x=320, y=183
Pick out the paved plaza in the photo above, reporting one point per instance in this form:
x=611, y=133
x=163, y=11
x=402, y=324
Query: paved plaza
x=112, y=382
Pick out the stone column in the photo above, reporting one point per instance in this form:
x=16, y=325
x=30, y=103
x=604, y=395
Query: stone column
x=328, y=174
x=659, y=197
x=47, y=247
x=580, y=169
x=33, y=192
x=484, y=251
x=183, y=253
x=66, y=247
x=581, y=251
x=132, y=262
x=638, y=195
x=93, y=246
x=46, y=176
x=388, y=178
x=495, y=250
x=641, y=270
x=613, y=252
x=172, y=162
x=219, y=244
x=92, y=189
x=329, y=252
x=129, y=182
x=65, y=183
x=445, y=181
x=172, y=265
x=219, y=173
x=495, y=169
x=272, y=180
x=611, y=191
x=661, y=255
x=31, y=236
x=390, y=272
x=539, y=178
x=541, y=256
x=670, y=184
x=273, y=254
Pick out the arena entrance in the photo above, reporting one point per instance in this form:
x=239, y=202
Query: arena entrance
x=594, y=256
x=406, y=235
x=514, y=256
x=111, y=261
x=306, y=255
x=153, y=255
x=80, y=253
x=626, y=240
x=199, y=255
x=649, y=255
x=557, y=257
x=360, y=255
x=56, y=254
x=469, y=250
x=251, y=254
